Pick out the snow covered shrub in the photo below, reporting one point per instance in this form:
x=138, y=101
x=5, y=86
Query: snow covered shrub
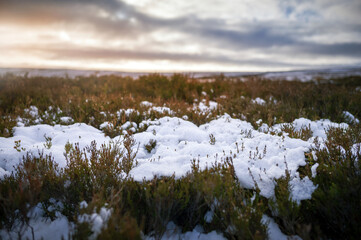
x=106, y=166
x=235, y=211
x=166, y=198
x=335, y=210
x=100, y=220
x=284, y=209
x=7, y=123
x=101, y=170
x=79, y=185
x=36, y=179
x=109, y=128
x=199, y=118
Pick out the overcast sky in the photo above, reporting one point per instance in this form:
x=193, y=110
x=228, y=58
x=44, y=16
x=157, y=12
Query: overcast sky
x=179, y=35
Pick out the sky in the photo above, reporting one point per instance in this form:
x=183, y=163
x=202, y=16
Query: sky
x=180, y=35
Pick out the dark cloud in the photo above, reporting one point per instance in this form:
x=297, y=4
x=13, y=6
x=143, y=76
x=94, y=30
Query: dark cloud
x=253, y=37
x=337, y=49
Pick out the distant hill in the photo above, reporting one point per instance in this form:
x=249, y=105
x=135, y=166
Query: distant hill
x=302, y=75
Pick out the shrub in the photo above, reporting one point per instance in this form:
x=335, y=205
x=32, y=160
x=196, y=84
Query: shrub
x=36, y=179
x=335, y=209
x=304, y=133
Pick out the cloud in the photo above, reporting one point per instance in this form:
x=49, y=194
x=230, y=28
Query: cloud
x=111, y=30
x=75, y=53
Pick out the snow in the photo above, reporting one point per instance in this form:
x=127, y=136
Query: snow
x=356, y=149
x=127, y=112
x=66, y=120
x=258, y=101
x=43, y=227
x=313, y=170
x=178, y=141
x=98, y=221
x=318, y=127
x=205, y=107
x=173, y=232
x=301, y=188
x=106, y=125
x=146, y=104
x=163, y=110
x=274, y=232
x=32, y=111
x=258, y=157
x=209, y=216
x=32, y=139
x=350, y=117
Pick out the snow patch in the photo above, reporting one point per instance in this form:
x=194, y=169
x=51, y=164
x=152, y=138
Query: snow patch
x=173, y=232
x=66, y=120
x=274, y=232
x=350, y=118
x=98, y=221
x=258, y=101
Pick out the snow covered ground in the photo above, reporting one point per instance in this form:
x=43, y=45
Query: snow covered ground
x=260, y=155
x=255, y=152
